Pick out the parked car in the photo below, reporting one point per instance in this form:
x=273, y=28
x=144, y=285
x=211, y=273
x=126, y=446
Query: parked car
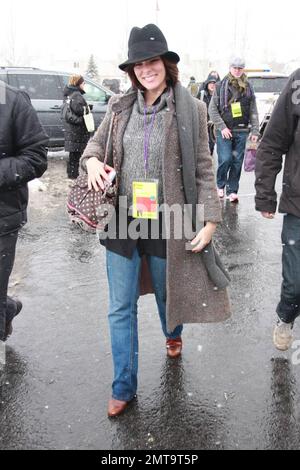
x=45, y=89
x=267, y=87
x=113, y=84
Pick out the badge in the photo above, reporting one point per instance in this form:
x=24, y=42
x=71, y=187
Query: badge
x=145, y=199
x=236, y=110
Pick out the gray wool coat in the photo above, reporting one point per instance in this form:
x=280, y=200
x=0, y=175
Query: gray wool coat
x=192, y=295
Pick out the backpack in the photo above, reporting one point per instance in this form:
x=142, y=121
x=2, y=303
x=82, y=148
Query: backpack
x=68, y=115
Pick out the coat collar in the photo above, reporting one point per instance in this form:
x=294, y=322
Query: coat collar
x=124, y=102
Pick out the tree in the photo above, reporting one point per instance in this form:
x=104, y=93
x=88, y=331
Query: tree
x=92, y=70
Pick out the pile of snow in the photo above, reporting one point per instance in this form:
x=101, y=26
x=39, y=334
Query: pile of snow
x=37, y=185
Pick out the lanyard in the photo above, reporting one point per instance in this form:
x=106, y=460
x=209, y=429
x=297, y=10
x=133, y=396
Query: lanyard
x=147, y=133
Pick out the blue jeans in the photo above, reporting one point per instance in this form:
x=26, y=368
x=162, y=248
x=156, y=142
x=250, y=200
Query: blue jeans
x=289, y=307
x=123, y=279
x=230, y=160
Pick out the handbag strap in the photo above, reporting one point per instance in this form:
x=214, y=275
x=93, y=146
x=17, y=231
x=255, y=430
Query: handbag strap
x=111, y=125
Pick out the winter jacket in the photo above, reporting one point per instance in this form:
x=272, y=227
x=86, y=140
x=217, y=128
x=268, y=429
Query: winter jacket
x=203, y=85
x=281, y=137
x=76, y=135
x=225, y=120
x=193, y=88
x=23, y=155
x=188, y=177
x=206, y=97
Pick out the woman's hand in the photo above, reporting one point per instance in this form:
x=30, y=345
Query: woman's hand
x=97, y=176
x=204, y=237
x=268, y=215
x=226, y=134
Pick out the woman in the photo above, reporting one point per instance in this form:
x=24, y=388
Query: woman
x=160, y=138
x=76, y=134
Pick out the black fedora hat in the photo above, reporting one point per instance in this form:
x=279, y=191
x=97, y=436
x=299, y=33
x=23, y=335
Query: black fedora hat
x=146, y=43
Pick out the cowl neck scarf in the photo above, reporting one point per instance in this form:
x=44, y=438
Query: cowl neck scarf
x=233, y=88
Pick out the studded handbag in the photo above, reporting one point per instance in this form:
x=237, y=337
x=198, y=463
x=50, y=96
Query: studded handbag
x=89, y=209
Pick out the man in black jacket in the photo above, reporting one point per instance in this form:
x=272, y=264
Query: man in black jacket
x=23, y=157
x=282, y=137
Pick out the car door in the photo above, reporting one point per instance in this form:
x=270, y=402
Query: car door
x=46, y=97
x=3, y=77
x=96, y=96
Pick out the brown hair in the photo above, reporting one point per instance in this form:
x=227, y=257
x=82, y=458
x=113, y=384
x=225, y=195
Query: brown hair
x=76, y=80
x=172, y=73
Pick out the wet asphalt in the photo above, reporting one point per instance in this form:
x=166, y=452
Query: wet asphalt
x=230, y=390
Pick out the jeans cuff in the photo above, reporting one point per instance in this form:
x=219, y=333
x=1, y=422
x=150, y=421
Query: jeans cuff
x=287, y=311
x=123, y=397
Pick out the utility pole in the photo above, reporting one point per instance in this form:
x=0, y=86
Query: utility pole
x=126, y=29
x=157, y=10
x=235, y=26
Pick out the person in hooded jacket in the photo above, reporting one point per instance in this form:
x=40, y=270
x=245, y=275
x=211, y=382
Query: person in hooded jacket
x=212, y=73
x=23, y=157
x=205, y=95
x=76, y=133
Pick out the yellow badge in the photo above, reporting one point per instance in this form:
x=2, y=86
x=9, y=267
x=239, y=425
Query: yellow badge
x=145, y=199
x=236, y=110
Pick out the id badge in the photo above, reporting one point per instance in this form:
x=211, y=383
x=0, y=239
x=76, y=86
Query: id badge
x=236, y=110
x=145, y=199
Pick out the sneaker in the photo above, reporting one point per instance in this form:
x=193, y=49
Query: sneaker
x=283, y=336
x=221, y=193
x=233, y=197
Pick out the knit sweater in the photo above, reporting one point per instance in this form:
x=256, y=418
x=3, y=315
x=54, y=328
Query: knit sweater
x=133, y=166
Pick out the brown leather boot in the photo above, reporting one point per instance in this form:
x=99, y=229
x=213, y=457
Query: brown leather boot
x=174, y=347
x=116, y=407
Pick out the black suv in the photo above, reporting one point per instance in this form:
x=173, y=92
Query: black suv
x=45, y=89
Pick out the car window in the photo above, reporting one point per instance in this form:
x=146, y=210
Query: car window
x=268, y=85
x=94, y=93
x=3, y=77
x=39, y=87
